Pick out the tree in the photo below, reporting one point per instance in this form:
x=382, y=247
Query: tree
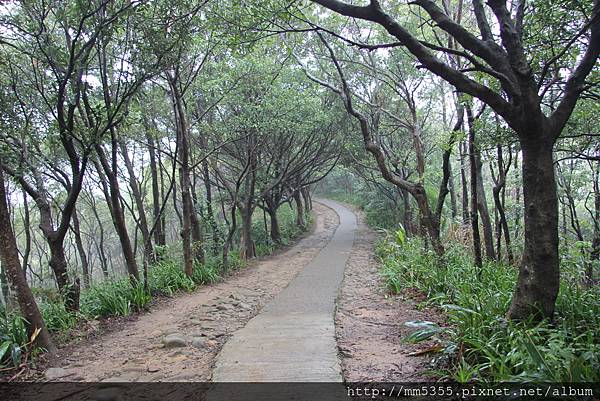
x=515, y=90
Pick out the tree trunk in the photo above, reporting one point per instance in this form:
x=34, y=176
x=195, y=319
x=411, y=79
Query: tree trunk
x=4, y=285
x=190, y=231
x=452, y=189
x=85, y=266
x=275, y=231
x=10, y=261
x=430, y=223
x=307, y=200
x=159, y=238
x=463, y=184
x=539, y=274
x=27, y=230
x=482, y=207
x=503, y=225
x=113, y=198
x=247, y=248
x=473, y=169
x=299, y=209
x=139, y=203
x=595, y=253
x=210, y=214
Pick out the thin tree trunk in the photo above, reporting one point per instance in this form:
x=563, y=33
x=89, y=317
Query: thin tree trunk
x=85, y=267
x=464, y=184
x=474, y=213
x=27, y=230
x=210, y=214
x=595, y=253
x=113, y=198
x=498, y=192
x=139, y=204
x=156, y=198
x=482, y=207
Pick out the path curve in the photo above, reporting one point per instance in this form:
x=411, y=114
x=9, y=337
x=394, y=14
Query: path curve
x=292, y=339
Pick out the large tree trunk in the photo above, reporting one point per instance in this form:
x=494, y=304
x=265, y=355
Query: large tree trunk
x=539, y=277
x=10, y=261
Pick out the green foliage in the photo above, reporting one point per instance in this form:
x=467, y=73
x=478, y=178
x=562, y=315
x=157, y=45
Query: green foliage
x=56, y=316
x=13, y=337
x=207, y=273
x=167, y=277
x=493, y=348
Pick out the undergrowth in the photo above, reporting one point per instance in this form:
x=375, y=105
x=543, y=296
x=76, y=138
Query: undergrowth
x=479, y=344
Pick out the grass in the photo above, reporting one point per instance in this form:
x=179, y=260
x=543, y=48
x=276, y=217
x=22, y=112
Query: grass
x=480, y=344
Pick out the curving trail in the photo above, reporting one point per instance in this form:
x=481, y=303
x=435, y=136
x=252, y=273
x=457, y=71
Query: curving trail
x=293, y=338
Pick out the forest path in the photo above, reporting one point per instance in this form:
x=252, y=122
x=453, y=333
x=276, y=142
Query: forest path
x=197, y=324
x=292, y=339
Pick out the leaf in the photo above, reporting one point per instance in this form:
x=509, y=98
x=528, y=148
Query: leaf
x=15, y=354
x=537, y=357
x=3, y=348
x=460, y=309
x=420, y=324
x=35, y=333
x=400, y=236
x=421, y=335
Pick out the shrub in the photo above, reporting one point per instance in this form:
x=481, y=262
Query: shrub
x=480, y=343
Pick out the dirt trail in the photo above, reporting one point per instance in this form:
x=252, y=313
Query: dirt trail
x=197, y=324
x=370, y=322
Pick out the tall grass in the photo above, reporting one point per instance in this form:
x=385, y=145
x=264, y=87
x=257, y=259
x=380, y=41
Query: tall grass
x=480, y=344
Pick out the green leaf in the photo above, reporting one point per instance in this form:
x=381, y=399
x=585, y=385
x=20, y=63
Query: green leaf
x=3, y=348
x=421, y=335
x=537, y=356
x=460, y=309
x=15, y=354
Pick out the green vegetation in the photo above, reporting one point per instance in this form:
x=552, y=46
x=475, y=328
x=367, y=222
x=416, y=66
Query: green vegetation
x=480, y=344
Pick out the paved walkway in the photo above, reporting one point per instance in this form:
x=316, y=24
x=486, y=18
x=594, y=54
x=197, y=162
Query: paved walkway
x=293, y=338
